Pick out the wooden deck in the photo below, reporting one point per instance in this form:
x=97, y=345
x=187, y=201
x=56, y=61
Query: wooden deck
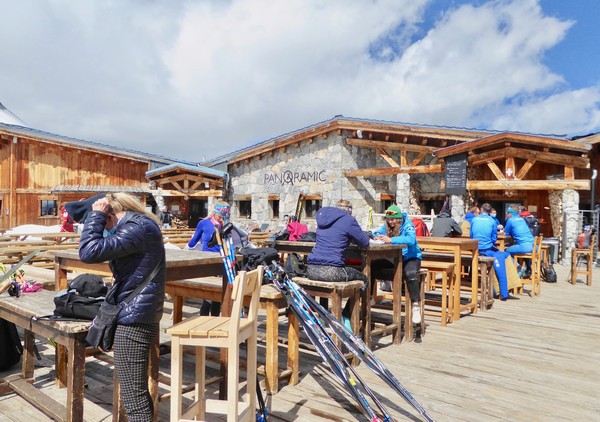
x=523, y=360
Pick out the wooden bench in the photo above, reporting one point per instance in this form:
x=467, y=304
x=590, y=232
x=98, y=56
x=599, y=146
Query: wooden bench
x=446, y=302
x=211, y=288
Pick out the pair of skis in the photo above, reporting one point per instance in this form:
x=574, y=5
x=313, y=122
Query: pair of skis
x=227, y=252
x=315, y=321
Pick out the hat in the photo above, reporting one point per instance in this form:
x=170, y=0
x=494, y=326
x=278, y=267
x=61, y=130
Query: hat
x=512, y=211
x=393, y=211
x=221, y=209
x=79, y=210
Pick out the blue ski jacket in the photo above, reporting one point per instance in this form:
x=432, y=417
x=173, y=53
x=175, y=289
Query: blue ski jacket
x=407, y=235
x=484, y=229
x=204, y=232
x=132, y=251
x=335, y=231
x=518, y=228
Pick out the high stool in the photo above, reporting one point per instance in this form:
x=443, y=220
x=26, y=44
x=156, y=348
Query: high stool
x=535, y=279
x=583, y=253
x=223, y=332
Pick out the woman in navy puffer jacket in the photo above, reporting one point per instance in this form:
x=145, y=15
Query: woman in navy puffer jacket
x=121, y=231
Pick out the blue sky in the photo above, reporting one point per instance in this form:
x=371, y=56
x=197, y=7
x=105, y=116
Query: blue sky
x=194, y=79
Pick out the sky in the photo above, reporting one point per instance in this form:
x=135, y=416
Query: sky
x=195, y=79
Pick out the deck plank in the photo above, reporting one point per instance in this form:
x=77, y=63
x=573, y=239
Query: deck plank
x=532, y=359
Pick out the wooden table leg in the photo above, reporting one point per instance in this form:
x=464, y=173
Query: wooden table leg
x=61, y=362
x=177, y=309
x=293, y=361
x=397, y=302
x=366, y=302
x=28, y=355
x=75, y=380
x=272, y=354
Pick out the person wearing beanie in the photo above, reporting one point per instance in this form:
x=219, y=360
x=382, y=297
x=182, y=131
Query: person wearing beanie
x=484, y=229
x=397, y=230
x=203, y=234
x=336, y=229
x=445, y=226
x=519, y=230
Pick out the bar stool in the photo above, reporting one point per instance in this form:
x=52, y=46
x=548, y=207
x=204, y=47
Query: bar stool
x=579, y=254
x=223, y=332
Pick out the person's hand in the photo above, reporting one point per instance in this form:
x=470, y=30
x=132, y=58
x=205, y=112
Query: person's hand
x=384, y=239
x=103, y=205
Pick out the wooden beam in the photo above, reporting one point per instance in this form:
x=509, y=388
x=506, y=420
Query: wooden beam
x=496, y=170
x=403, y=162
x=510, y=168
x=528, y=184
x=523, y=170
x=388, y=159
x=433, y=168
x=569, y=173
x=419, y=158
x=546, y=157
x=388, y=145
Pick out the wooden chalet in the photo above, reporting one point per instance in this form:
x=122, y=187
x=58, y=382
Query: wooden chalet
x=39, y=171
x=187, y=189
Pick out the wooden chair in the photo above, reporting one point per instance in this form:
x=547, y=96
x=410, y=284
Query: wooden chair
x=535, y=278
x=223, y=332
x=578, y=255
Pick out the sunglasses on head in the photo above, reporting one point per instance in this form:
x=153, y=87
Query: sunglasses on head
x=389, y=212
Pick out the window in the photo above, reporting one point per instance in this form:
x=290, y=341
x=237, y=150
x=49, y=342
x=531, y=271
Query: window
x=274, y=205
x=311, y=206
x=244, y=209
x=48, y=207
x=386, y=200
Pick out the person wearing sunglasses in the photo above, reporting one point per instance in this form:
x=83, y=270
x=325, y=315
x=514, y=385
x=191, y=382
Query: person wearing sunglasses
x=397, y=230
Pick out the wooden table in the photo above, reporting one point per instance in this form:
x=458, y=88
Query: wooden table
x=367, y=256
x=69, y=334
x=457, y=246
x=181, y=265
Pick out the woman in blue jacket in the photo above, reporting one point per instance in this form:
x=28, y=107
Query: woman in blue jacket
x=120, y=230
x=398, y=230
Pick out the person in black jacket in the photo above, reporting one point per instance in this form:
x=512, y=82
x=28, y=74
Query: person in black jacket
x=445, y=226
x=121, y=231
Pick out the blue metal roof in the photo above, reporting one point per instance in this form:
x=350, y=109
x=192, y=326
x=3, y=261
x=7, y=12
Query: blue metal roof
x=195, y=168
x=110, y=149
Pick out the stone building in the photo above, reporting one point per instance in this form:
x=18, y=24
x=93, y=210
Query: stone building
x=374, y=164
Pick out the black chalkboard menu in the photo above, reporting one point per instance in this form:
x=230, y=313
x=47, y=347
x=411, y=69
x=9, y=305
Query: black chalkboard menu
x=456, y=174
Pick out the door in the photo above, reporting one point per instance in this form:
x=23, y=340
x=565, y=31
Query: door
x=198, y=211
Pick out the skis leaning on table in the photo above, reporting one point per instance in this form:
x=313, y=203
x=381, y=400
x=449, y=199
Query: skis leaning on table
x=331, y=354
x=313, y=314
x=227, y=252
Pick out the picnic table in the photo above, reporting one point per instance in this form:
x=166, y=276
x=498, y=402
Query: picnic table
x=69, y=334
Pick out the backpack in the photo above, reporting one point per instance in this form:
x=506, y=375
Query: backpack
x=534, y=225
x=82, y=299
x=548, y=273
x=11, y=348
x=294, y=265
x=253, y=257
x=308, y=237
x=420, y=227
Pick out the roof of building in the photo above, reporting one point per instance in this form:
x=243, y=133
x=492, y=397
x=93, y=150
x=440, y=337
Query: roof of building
x=186, y=167
x=96, y=146
x=459, y=134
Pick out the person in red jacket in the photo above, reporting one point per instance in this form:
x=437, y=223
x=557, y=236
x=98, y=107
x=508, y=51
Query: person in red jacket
x=66, y=222
x=296, y=229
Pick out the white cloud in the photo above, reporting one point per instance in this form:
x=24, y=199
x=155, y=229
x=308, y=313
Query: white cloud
x=195, y=79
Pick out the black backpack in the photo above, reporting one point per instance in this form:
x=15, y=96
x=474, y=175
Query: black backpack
x=253, y=257
x=82, y=299
x=11, y=348
x=548, y=273
x=294, y=265
x=308, y=237
x=534, y=225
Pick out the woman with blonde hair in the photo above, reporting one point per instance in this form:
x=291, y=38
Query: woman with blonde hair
x=120, y=230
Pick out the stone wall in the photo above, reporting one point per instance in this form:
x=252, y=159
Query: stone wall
x=314, y=168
